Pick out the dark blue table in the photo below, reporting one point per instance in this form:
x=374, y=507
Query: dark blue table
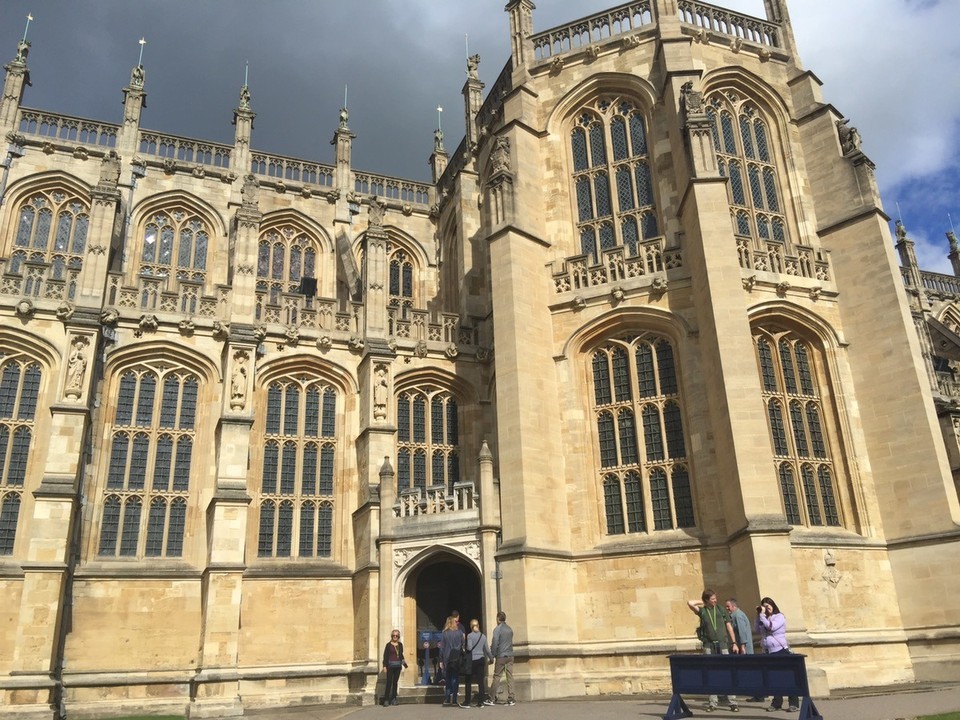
x=745, y=675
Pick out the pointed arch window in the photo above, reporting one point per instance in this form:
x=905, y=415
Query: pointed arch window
x=741, y=140
x=791, y=381
x=612, y=178
x=428, y=425
x=400, y=298
x=175, y=243
x=285, y=255
x=51, y=233
x=20, y=381
x=150, y=459
x=640, y=436
x=298, y=470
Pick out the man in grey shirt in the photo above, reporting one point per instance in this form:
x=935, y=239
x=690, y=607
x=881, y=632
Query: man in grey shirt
x=502, y=650
x=741, y=626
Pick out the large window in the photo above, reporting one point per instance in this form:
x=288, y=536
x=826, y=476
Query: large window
x=644, y=470
x=51, y=233
x=19, y=391
x=401, y=281
x=428, y=439
x=794, y=406
x=285, y=255
x=612, y=178
x=147, y=487
x=298, y=473
x=175, y=243
x=742, y=140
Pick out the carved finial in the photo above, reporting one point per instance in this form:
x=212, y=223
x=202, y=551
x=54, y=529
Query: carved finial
x=344, y=117
x=849, y=137
x=473, y=63
x=901, y=231
x=245, y=97
x=952, y=239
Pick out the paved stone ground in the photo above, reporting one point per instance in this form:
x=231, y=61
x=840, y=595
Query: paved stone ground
x=894, y=703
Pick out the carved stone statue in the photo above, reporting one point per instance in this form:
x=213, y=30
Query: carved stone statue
x=849, y=137
x=376, y=212
x=381, y=391
x=473, y=63
x=438, y=141
x=344, y=116
x=23, y=47
x=245, y=98
x=250, y=192
x=952, y=239
x=136, y=76
x=691, y=100
x=901, y=231
x=238, y=382
x=500, y=155
x=76, y=368
x=110, y=169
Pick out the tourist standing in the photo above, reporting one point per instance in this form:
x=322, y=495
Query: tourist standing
x=716, y=634
x=502, y=650
x=393, y=665
x=480, y=655
x=451, y=645
x=772, y=626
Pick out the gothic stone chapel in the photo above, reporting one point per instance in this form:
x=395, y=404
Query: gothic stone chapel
x=645, y=331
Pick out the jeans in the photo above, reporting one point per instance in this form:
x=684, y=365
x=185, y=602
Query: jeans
x=393, y=677
x=478, y=673
x=451, y=680
x=503, y=667
x=710, y=648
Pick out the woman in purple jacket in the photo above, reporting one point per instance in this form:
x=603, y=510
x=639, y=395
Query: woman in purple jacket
x=772, y=626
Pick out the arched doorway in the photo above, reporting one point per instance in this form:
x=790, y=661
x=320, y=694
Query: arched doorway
x=440, y=584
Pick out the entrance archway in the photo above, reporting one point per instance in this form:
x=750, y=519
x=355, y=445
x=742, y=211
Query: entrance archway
x=440, y=584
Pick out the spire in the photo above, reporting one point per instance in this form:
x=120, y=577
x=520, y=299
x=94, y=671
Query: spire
x=134, y=101
x=438, y=159
x=17, y=78
x=472, y=100
x=243, y=117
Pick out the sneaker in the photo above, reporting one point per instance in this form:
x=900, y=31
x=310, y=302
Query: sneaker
x=464, y=706
x=488, y=701
x=511, y=701
x=395, y=702
x=792, y=708
x=711, y=707
x=734, y=707
x=771, y=708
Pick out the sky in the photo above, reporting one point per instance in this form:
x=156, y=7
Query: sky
x=891, y=66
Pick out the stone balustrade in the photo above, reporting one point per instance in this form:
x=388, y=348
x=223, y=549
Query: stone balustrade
x=938, y=283
x=418, y=325
x=436, y=500
x=290, y=169
x=806, y=262
x=186, y=150
x=67, y=129
x=153, y=294
x=726, y=22
x=41, y=280
x=391, y=188
x=579, y=272
x=591, y=30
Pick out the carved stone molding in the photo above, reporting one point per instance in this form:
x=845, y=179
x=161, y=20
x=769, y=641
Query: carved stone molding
x=186, y=327
x=148, y=323
x=381, y=392
x=25, y=309
x=239, y=380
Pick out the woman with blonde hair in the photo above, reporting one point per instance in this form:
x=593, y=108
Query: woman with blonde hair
x=393, y=665
x=451, y=645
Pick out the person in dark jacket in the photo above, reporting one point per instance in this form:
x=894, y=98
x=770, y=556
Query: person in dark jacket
x=393, y=665
x=451, y=645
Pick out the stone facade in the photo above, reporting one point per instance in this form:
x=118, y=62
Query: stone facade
x=644, y=332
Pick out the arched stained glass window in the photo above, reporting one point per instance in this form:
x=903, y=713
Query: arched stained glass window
x=298, y=469
x=792, y=379
x=744, y=156
x=20, y=382
x=52, y=228
x=147, y=484
x=285, y=255
x=432, y=416
x=644, y=477
x=175, y=243
x=612, y=179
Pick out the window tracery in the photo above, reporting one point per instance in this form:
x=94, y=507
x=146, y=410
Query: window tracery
x=175, y=243
x=52, y=227
x=147, y=487
x=428, y=439
x=298, y=473
x=741, y=138
x=285, y=255
x=645, y=473
x=612, y=178
x=795, y=410
x=401, y=280
x=20, y=380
